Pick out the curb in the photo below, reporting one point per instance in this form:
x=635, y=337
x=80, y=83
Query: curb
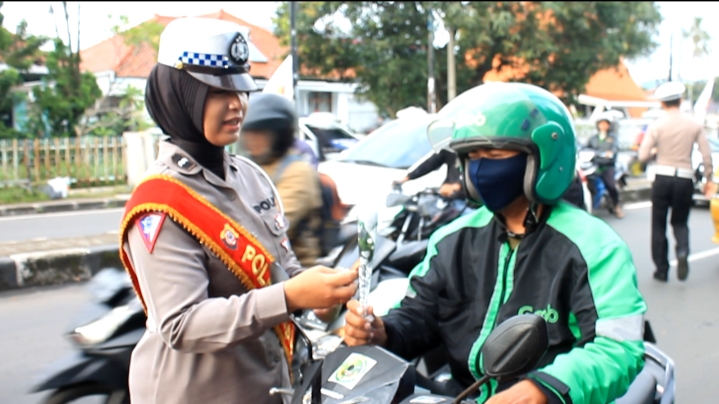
x=62, y=206
x=56, y=266
x=635, y=194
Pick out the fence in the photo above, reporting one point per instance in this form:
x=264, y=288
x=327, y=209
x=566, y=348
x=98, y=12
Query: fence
x=87, y=161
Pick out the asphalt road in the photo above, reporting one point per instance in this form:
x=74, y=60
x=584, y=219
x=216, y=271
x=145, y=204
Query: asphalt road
x=683, y=315
x=59, y=225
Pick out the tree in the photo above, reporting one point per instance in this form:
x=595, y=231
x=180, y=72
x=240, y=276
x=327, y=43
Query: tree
x=147, y=33
x=557, y=45
x=18, y=51
x=700, y=44
x=66, y=92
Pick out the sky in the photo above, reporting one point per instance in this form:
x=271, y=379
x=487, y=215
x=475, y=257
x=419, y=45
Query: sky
x=96, y=25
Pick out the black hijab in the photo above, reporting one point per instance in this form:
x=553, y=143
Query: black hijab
x=176, y=102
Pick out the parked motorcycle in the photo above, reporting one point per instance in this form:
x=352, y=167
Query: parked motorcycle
x=104, y=333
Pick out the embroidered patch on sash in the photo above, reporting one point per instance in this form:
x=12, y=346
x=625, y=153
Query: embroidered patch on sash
x=229, y=237
x=150, y=224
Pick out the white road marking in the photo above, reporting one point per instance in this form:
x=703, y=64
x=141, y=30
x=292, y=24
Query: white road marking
x=637, y=205
x=60, y=214
x=698, y=256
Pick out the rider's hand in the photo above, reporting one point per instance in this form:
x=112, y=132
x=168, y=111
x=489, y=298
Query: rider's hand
x=447, y=190
x=400, y=181
x=359, y=331
x=320, y=288
x=524, y=392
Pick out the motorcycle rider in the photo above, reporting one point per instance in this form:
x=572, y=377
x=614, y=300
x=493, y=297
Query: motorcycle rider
x=268, y=135
x=524, y=251
x=605, y=143
x=452, y=186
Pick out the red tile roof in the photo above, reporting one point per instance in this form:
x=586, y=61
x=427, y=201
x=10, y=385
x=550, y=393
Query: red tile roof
x=137, y=61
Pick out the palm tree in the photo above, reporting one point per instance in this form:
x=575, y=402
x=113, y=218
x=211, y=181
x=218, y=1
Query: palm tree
x=700, y=40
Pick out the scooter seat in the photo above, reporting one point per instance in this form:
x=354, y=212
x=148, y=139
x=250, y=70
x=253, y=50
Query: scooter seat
x=641, y=391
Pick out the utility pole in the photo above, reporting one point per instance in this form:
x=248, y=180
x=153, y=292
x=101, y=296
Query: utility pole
x=431, y=99
x=293, y=45
x=451, y=78
x=671, y=53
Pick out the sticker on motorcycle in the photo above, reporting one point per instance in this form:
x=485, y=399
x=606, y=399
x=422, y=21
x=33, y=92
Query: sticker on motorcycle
x=352, y=370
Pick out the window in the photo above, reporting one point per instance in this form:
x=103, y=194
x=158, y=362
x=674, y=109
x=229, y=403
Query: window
x=397, y=144
x=319, y=102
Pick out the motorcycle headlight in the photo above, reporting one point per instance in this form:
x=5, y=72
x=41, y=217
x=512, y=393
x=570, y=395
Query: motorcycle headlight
x=104, y=327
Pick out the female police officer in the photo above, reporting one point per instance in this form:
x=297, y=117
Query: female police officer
x=203, y=237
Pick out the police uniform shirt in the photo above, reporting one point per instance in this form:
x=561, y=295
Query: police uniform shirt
x=209, y=339
x=674, y=136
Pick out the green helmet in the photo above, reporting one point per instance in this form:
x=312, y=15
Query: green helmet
x=513, y=116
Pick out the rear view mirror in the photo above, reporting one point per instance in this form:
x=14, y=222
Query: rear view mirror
x=515, y=347
x=395, y=199
x=511, y=350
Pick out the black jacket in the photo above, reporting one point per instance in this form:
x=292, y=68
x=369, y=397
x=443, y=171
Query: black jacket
x=434, y=162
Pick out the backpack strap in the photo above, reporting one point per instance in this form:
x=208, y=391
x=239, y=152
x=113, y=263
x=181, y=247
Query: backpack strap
x=286, y=161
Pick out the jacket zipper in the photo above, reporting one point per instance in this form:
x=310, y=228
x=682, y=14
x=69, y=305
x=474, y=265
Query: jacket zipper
x=507, y=260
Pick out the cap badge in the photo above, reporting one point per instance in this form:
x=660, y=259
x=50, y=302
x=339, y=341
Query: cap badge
x=239, y=51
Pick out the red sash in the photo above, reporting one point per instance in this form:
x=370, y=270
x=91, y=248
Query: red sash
x=244, y=256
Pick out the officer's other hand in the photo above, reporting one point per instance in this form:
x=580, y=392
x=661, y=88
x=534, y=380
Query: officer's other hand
x=710, y=188
x=359, y=331
x=320, y=288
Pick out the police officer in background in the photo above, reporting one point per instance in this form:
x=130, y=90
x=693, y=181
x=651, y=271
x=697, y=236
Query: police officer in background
x=671, y=140
x=204, y=241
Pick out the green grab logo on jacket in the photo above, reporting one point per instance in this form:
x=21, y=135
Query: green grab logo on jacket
x=549, y=314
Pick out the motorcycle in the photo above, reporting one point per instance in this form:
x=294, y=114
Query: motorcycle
x=598, y=190
x=372, y=374
x=104, y=333
x=113, y=321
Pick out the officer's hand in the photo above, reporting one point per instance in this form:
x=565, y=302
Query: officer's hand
x=328, y=315
x=320, y=288
x=359, y=331
x=524, y=392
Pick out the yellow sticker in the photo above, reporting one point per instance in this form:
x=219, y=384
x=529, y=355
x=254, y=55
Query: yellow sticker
x=352, y=370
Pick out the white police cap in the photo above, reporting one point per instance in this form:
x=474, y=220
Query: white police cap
x=213, y=51
x=670, y=91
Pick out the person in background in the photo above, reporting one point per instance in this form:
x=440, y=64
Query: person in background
x=269, y=137
x=671, y=139
x=605, y=143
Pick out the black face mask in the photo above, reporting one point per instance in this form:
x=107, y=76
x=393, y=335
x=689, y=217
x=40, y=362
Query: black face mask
x=176, y=102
